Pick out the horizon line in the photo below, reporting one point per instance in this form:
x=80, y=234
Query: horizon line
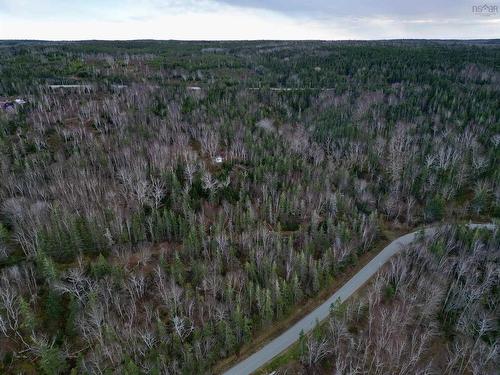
x=246, y=40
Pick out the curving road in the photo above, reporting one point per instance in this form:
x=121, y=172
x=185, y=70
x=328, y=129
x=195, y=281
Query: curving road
x=306, y=324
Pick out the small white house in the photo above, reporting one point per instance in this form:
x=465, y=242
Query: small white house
x=218, y=159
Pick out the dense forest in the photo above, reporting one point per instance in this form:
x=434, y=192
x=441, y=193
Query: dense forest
x=433, y=310
x=164, y=203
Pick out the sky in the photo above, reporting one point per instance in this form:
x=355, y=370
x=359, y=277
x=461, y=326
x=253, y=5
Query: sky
x=247, y=19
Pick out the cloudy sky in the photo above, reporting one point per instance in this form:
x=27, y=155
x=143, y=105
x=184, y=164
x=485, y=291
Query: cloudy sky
x=246, y=19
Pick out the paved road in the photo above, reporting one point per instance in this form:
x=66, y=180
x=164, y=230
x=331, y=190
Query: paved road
x=306, y=324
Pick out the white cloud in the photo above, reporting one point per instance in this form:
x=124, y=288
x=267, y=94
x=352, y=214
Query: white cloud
x=225, y=23
x=210, y=19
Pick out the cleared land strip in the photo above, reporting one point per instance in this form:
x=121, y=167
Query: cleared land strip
x=293, y=88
